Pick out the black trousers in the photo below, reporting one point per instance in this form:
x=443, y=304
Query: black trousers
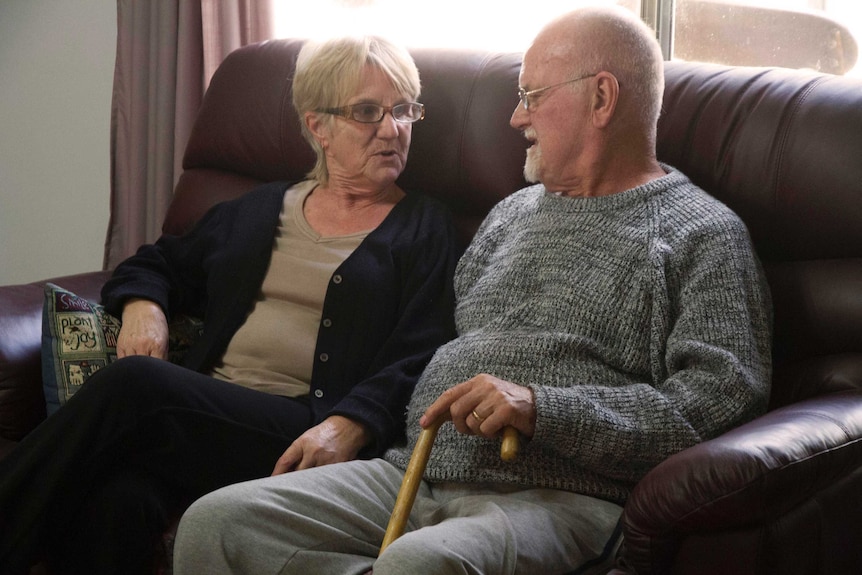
x=93, y=487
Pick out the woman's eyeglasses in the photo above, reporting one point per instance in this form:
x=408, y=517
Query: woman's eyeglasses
x=406, y=113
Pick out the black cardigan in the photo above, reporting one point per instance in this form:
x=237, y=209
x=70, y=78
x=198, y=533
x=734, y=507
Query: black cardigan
x=387, y=308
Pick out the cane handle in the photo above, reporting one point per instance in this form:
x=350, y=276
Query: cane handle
x=511, y=443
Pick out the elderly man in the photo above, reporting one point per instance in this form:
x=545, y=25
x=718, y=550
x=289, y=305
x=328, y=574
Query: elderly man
x=613, y=314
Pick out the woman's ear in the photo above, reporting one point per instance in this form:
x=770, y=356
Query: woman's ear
x=605, y=98
x=318, y=127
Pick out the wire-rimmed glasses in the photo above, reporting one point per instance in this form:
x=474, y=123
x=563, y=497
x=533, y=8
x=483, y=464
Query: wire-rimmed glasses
x=524, y=95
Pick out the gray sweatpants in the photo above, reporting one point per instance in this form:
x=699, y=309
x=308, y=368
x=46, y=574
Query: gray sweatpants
x=332, y=519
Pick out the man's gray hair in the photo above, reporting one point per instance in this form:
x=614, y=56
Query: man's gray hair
x=615, y=40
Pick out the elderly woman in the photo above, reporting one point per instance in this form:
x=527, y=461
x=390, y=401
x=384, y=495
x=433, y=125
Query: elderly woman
x=322, y=301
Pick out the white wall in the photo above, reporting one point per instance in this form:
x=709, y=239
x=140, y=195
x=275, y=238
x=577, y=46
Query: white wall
x=56, y=76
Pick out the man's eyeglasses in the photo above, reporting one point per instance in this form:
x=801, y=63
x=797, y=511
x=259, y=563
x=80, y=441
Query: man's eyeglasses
x=406, y=113
x=524, y=95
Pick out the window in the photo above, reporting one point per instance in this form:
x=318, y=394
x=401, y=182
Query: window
x=488, y=24
x=816, y=34
x=822, y=35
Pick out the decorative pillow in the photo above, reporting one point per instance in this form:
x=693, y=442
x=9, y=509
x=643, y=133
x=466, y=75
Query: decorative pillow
x=80, y=337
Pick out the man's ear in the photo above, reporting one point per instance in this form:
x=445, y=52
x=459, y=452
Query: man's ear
x=318, y=127
x=605, y=99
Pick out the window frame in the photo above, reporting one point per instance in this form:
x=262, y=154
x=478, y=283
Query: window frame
x=658, y=14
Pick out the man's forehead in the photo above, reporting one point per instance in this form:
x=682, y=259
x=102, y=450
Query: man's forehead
x=545, y=60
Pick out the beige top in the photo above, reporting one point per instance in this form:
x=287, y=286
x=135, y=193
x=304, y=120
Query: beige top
x=273, y=351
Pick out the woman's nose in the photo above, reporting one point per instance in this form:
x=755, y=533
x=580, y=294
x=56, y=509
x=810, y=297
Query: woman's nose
x=388, y=126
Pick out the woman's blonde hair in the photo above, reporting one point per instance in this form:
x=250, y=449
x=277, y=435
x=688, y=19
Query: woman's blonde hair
x=328, y=73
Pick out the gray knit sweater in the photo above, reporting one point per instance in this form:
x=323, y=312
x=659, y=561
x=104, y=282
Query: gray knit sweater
x=640, y=320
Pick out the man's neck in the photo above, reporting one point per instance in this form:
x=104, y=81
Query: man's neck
x=607, y=178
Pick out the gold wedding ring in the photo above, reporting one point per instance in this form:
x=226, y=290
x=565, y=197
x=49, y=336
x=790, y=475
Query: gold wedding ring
x=476, y=415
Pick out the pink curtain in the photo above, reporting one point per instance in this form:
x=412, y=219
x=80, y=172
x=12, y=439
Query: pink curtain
x=166, y=53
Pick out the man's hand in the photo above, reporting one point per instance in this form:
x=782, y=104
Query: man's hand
x=144, y=330
x=334, y=440
x=484, y=405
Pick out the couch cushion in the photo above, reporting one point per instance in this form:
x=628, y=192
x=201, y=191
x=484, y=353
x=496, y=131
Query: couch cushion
x=22, y=405
x=80, y=337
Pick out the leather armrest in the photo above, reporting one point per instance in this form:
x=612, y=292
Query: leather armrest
x=751, y=474
x=22, y=404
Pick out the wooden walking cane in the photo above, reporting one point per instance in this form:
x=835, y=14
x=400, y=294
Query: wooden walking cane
x=415, y=469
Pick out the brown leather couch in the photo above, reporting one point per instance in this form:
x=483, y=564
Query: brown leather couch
x=782, y=494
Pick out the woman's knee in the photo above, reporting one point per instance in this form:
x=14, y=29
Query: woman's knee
x=131, y=368
x=135, y=379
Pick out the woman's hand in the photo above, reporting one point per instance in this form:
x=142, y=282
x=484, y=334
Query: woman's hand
x=334, y=440
x=144, y=330
x=484, y=405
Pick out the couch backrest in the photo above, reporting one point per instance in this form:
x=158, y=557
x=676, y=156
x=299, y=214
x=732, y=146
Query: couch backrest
x=782, y=148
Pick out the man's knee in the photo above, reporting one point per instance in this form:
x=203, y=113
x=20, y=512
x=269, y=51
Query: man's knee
x=410, y=554
x=205, y=524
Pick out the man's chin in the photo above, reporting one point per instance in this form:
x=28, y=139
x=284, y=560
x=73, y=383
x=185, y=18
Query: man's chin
x=532, y=165
x=531, y=173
